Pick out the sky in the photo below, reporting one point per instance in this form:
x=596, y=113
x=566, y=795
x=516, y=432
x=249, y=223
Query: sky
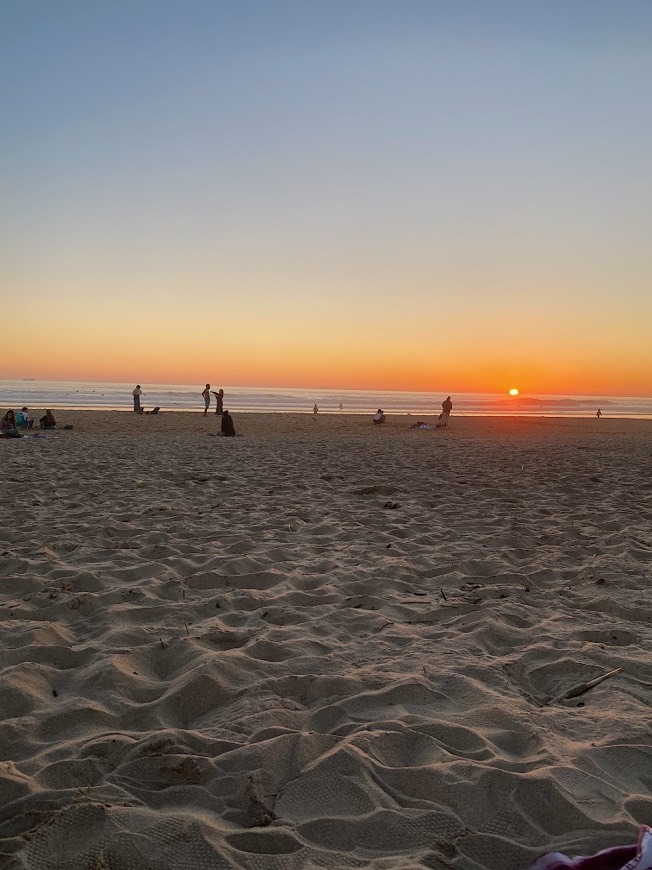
x=376, y=194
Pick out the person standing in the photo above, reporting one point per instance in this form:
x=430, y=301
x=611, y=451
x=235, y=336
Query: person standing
x=446, y=407
x=599, y=413
x=219, y=401
x=137, y=394
x=315, y=410
x=206, y=395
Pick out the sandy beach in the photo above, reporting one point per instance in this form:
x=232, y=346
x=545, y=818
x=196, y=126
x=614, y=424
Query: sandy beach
x=323, y=644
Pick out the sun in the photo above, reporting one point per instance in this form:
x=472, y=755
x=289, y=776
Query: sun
x=513, y=392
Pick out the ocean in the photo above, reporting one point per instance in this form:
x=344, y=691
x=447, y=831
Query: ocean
x=186, y=397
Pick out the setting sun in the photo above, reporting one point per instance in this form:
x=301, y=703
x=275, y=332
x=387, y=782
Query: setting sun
x=513, y=392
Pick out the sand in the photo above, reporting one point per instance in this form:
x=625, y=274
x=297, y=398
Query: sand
x=324, y=644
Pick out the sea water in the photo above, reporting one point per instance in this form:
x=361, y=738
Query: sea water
x=187, y=397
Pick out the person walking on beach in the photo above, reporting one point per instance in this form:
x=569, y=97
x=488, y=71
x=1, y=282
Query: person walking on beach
x=137, y=394
x=315, y=410
x=599, y=414
x=219, y=401
x=206, y=395
x=446, y=407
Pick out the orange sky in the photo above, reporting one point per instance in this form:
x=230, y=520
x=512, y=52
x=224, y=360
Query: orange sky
x=425, y=201
x=450, y=359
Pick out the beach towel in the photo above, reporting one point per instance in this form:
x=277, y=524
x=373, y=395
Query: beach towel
x=638, y=857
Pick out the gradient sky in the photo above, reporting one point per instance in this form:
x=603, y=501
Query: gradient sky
x=383, y=194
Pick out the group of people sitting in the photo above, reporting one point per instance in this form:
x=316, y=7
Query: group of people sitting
x=442, y=420
x=15, y=421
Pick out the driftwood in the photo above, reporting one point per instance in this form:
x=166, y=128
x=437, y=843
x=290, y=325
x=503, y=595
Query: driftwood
x=584, y=687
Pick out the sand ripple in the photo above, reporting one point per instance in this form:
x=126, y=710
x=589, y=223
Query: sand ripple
x=237, y=655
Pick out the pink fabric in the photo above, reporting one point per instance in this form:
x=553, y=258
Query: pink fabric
x=637, y=857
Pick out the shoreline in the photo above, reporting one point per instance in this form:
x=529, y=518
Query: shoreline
x=262, y=424
x=336, y=413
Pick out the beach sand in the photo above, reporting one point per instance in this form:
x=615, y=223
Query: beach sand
x=324, y=644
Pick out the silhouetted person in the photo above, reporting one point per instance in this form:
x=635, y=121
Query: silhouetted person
x=599, y=414
x=315, y=410
x=219, y=401
x=227, y=428
x=446, y=407
x=137, y=394
x=206, y=395
x=379, y=417
x=47, y=421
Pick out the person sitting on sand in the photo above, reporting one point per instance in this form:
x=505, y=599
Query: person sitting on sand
x=379, y=417
x=9, y=427
x=47, y=421
x=24, y=419
x=227, y=428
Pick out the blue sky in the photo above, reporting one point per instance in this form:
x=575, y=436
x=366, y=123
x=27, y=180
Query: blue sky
x=311, y=167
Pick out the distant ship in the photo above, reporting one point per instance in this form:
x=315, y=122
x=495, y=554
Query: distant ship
x=29, y=379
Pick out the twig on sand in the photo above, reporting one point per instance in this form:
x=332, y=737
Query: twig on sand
x=584, y=687
x=384, y=625
x=443, y=595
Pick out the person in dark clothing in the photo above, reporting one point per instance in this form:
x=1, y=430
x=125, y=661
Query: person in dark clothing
x=219, y=401
x=227, y=425
x=447, y=407
x=47, y=421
